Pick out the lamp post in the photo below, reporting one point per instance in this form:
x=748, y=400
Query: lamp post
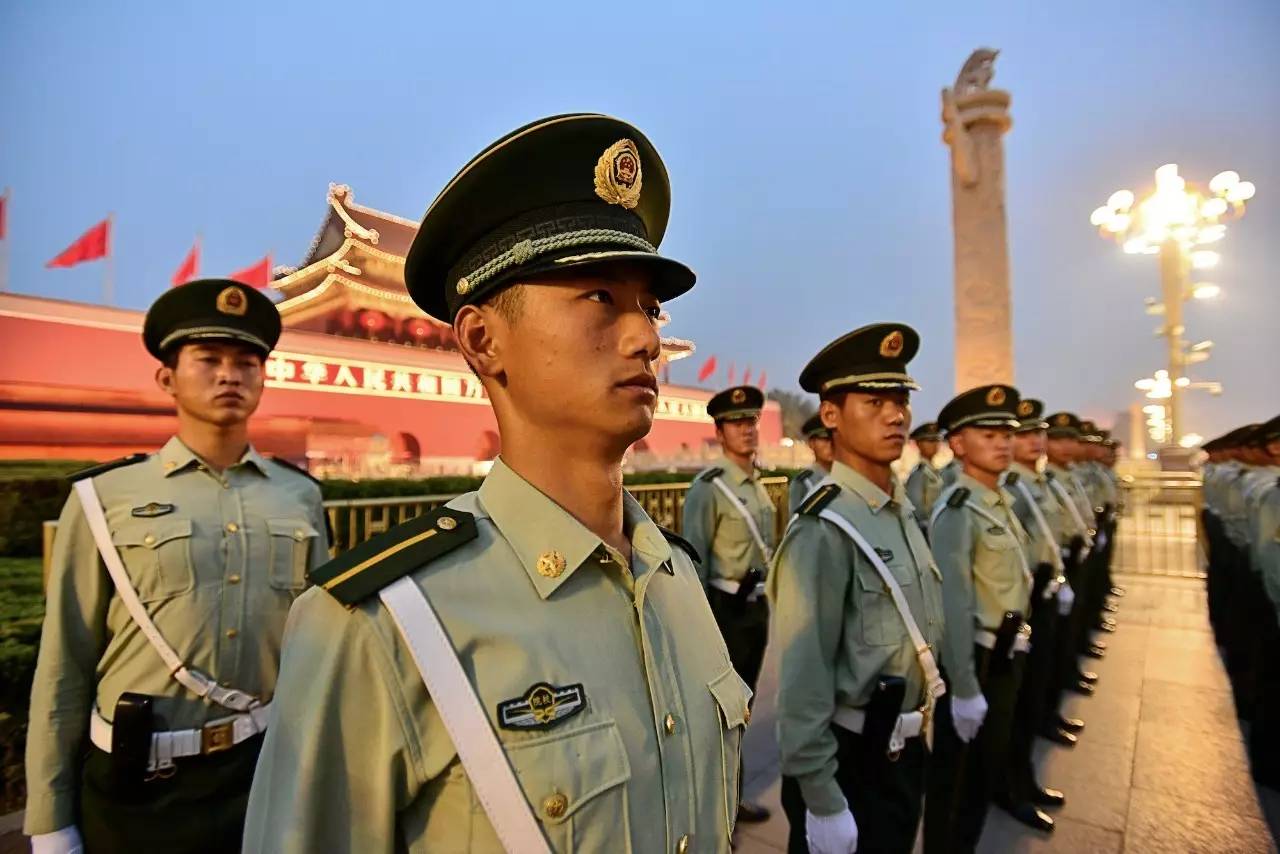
x=1176, y=222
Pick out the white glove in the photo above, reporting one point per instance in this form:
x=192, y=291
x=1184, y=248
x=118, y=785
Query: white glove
x=1066, y=598
x=64, y=841
x=831, y=834
x=967, y=713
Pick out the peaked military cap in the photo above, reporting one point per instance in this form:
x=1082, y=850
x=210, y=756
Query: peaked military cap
x=1030, y=414
x=1089, y=432
x=984, y=406
x=929, y=431
x=871, y=358
x=211, y=309
x=741, y=401
x=814, y=428
x=560, y=193
x=1064, y=425
x=1268, y=432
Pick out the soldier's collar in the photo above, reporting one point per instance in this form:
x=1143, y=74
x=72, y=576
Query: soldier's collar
x=983, y=493
x=875, y=497
x=550, y=543
x=735, y=474
x=253, y=458
x=175, y=456
x=1026, y=471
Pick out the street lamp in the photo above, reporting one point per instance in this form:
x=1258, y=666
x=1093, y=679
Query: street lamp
x=1176, y=221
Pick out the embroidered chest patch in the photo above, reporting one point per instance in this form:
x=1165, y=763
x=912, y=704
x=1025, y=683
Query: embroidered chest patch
x=542, y=706
x=150, y=511
x=885, y=555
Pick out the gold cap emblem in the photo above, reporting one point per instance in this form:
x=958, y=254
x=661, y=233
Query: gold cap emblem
x=995, y=396
x=891, y=346
x=551, y=564
x=232, y=301
x=1062, y=420
x=1025, y=407
x=446, y=523
x=738, y=396
x=618, y=175
x=464, y=286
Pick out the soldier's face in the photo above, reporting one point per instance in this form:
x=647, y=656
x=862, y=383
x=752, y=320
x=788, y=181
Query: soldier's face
x=1028, y=447
x=580, y=359
x=217, y=382
x=873, y=425
x=740, y=436
x=988, y=449
x=822, y=450
x=1061, y=450
x=928, y=449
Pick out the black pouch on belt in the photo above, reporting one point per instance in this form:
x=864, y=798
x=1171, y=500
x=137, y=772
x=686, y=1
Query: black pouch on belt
x=882, y=712
x=131, y=739
x=747, y=586
x=1005, y=636
x=1039, y=581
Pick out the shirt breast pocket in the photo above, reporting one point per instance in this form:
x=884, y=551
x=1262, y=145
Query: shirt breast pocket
x=733, y=699
x=291, y=544
x=575, y=783
x=157, y=555
x=881, y=625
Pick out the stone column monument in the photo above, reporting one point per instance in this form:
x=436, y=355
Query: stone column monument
x=975, y=119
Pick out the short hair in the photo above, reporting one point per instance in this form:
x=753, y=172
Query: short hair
x=507, y=303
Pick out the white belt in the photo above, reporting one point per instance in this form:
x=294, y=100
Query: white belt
x=731, y=587
x=1021, y=641
x=909, y=725
x=213, y=737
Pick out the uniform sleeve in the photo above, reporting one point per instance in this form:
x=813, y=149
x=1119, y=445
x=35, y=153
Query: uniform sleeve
x=953, y=550
x=700, y=523
x=915, y=491
x=1266, y=548
x=340, y=758
x=808, y=593
x=796, y=491
x=320, y=545
x=62, y=694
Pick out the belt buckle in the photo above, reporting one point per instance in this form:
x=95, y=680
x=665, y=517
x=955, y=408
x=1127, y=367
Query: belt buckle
x=216, y=738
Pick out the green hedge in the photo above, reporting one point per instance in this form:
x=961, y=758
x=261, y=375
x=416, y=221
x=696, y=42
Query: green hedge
x=31, y=491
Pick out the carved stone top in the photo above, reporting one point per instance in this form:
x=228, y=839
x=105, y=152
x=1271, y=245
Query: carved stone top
x=977, y=72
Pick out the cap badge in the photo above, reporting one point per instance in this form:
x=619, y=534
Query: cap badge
x=738, y=395
x=995, y=396
x=464, y=286
x=1062, y=420
x=232, y=301
x=551, y=564
x=891, y=346
x=1025, y=408
x=618, y=175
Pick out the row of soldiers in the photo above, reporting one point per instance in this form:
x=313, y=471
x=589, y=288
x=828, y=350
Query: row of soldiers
x=1242, y=523
x=537, y=666
x=925, y=631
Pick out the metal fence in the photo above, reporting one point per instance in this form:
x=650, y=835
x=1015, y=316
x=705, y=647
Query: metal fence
x=1158, y=530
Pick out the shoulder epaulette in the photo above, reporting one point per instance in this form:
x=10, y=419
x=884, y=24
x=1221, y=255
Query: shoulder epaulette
x=804, y=474
x=958, y=496
x=821, y=497
x=680, y=541
x=1011, y=478
x=710, y=474
x=299, y=469
x=94, y=471
x=375, y=563
x=1049, y=475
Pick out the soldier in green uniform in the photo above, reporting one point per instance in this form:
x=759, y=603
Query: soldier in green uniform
x=171, y=578
x=857, y=616
x=818, y=438
x=979, y=545
x=534, y=666
x=730, y=520
x=1264, y=543
x=924, y=484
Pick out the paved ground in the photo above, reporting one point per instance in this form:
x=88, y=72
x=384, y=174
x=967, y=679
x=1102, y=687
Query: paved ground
x=1160, y=766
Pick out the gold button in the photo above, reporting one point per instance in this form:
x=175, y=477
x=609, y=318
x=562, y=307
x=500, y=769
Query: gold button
x=446, y=523
x=555, y=805
x=670, y=724
x=231, y=634
x=232, y=527
x=746, y=716
x=551, y=564
x=233, y=579
x=299, y=534
x=149, y=540
x=683, y=845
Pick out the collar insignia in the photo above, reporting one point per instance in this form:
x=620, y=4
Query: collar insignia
x=542, y=706
x=551, y=564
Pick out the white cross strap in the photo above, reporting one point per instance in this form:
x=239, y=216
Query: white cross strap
x=464, y=718
x=746, y=517
x=195, y=681
x=991, y=517
x=1065, y=498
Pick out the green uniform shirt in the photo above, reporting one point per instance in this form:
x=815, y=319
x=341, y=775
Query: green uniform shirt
x=835, y=628
x=362, y=763
x=1266, y=539
x=1040, y=549
x=924, y=485
x=1075, y=491
x=718, y=531
x=982, y=574
x=217, y=559
x=802, y=484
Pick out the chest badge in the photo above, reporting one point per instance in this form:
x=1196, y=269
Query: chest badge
x=542, y=706
x=996, y=531
x=152, y=510
x=885, y=555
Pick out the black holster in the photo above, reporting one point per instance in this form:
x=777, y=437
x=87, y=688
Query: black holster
x=1039, y=581
x=131, y=730
x=1002, y=650
x=747, y=586
x=882, y=713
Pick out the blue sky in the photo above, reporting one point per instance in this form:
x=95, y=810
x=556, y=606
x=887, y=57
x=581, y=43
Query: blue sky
x=810, y=184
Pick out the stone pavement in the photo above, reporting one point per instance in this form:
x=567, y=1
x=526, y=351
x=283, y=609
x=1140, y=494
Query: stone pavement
x=1161, y=765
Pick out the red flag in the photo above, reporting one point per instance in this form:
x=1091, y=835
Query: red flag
x=708, y=368
x=258, y=275
x=90, y=246
x=190, y=266
x=731, y=373
x=760, y=382
x=746, y=376
x=4, y=214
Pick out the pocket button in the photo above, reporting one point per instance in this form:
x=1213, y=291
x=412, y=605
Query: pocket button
x=555, y=805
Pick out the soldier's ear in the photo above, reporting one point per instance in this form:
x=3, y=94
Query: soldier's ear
x=479, y=331
x=829, y=413
x=164, y=380
x=955, y=441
